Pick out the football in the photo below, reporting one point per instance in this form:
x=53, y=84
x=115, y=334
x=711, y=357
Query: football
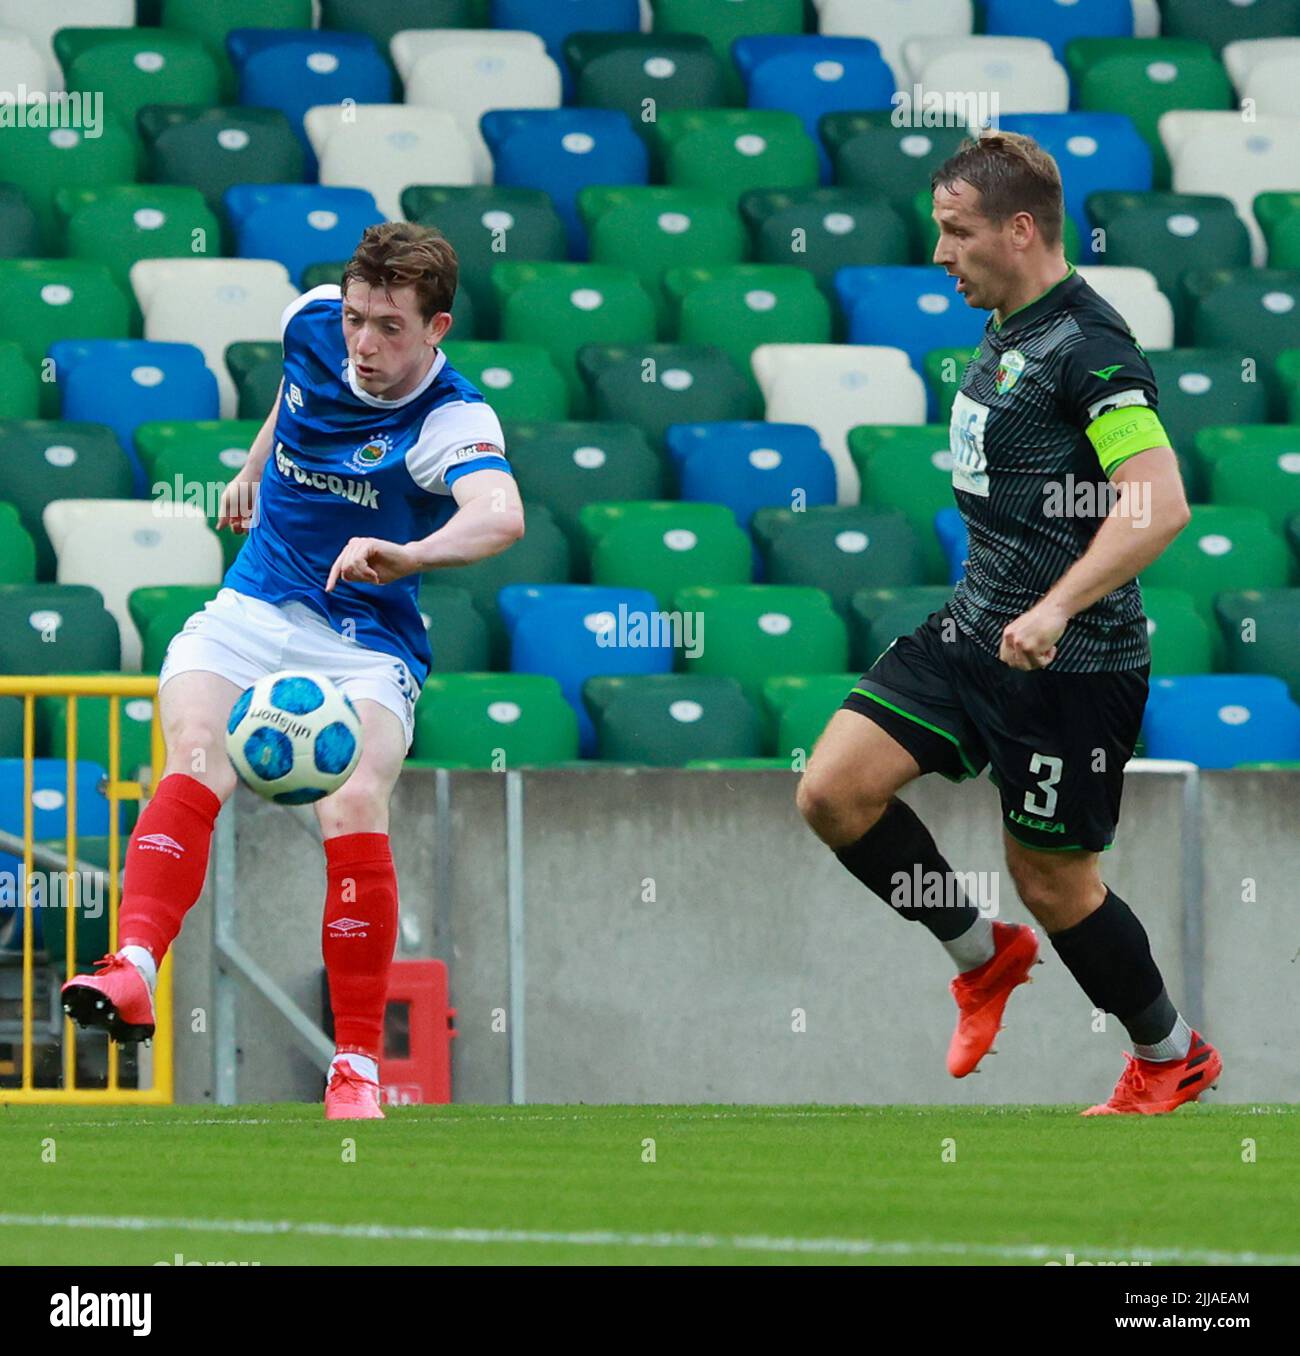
x=293, y=737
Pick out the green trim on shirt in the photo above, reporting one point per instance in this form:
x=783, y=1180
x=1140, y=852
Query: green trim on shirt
x=997, y=324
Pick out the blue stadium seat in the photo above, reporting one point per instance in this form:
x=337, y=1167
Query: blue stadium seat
x=1058, y=21
x=127, y=382
x=298, y=224
x=1218, y=720
x=554, y=629
x=811, y=76
x=295, y=69
x=554, y=23
x=953, y=540
x=1095, y=151
x=562, y=151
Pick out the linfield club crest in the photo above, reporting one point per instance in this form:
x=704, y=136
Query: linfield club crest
x=1009, y=370
x=369, y=455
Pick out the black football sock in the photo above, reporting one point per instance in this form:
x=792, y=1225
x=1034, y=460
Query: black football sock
x=898, y=844
x=1109, y=956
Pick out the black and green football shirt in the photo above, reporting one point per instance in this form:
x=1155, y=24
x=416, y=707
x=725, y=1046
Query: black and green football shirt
x=1055, y=398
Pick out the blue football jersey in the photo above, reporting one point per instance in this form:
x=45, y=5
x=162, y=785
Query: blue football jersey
x=347, y=464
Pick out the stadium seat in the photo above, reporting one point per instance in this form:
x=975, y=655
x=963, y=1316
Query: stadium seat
x=653, y=229
x=756, y=631
x=838, y=548
x=1243, y=56
x=1219, y=720
x=520, y=381
x=45, y=300
x=638, y=72
x=657, y=385
x=665, y=552
x=1274, y=442
x=212, y=149
x=135, y=727
x=298, y=69
x=823, y=230
x=210, y=23
x=953, y=541
x=1218, y=22
x=255, y=367
x=1258, y=478
x=1134, y=294
x=796, y=707
x=1271, y=86
x=1256, y=311
x=383, y=20
x=667, y=719
x=1278, y=215
x=1261, y=633
x=46, y=460
x=561, y=307
x=723, y=21
x=1286, y=367
x=890, y=163
x=1181, y=640
x=17, y=550
x=40, y=22
x=741, y=306
x=22, y=66
x=597, y=520
x=836, y=387
x=943, y=369
x=458, y=631
x=907, y=469
x=733, y=151
x=1009, y=75
x=555, y=24
x=20, y=231
x=878, y=616
x=298, y=225
x=19, y=394
x=1058, y=23
x=494, y=720
x=122, y=544
x=212, y=303
x=159, y=611
x=468, y=81
x=568, y=465
x=562, y=151
x=409, y=44
x=56, y=628
x=1221, y=549
x=889, y=25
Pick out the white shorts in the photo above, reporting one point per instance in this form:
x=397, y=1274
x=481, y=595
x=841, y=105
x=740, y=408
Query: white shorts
x=243, y=639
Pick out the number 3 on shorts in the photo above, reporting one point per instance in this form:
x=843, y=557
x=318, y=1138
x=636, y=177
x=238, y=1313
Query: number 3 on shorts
x=1042, y=762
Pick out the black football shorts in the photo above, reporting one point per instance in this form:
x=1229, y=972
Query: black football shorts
x=1055, y=743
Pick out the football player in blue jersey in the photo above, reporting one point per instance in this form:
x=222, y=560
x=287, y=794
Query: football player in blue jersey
x=378, y=463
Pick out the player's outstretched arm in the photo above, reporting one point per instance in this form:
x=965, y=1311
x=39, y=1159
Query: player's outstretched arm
x=490, y=517
x=240, y=495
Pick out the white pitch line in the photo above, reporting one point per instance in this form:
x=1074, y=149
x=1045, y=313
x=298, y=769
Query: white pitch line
x=608, y=1238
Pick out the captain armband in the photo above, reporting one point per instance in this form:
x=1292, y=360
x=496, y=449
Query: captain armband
x=1120, y=434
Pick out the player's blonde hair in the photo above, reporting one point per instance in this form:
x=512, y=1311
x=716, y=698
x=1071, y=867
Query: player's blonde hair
x=403, y=254
x=1013, y=174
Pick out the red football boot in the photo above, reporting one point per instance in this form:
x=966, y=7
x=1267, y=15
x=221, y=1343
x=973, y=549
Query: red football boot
x=1150, y=1088
x=350, y=1096
x=982, y=994
x=117, y=999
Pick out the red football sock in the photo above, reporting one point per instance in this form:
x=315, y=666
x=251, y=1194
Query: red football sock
x=166, y=863
x=358, y=937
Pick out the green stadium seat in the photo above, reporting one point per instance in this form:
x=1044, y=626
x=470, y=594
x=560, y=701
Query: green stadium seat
x=20, y=230
x=1287, y=368
x=655, y=385
x=723, y=21
x=1181, y=640
x=943, y=369
x=43, y=300
x=1255, y=310
x=1145, y=82
x=1259, y=478
x=212, y=149
x=1220, y=550
x=11, y=727
x=1261, y=633
x=1278, y=215
x=667, y=719
x=797, y=706
x=57, y=628
x=665, y=552
x=596, y=520
x=210, y=23
x=133, y=67
x=1082, y=54
x=194, y=462
x=1274, y=441
x=255, y=366
x=494, y=720
x=1170, y=235
x=561, y=307
x=907, y=468
x=521, y=381
x=19, y=390
x=135, y=729
x=1293, y=540
x=487, y=224
x=645, y=74
x=569, y=465
x=1218, y=22
x=840, y=548
x=877, y=617
x=17, y=551
x=458, y=631
x=739, y=307
x=756, y=631
x=159, y=611
x=733, y=151
x=652, y=229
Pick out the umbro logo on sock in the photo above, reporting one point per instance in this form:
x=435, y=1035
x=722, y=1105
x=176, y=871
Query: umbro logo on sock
x=160, y=842
x=345, y=927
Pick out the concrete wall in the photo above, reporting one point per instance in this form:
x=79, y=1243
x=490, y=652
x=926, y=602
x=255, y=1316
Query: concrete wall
x=674, y=922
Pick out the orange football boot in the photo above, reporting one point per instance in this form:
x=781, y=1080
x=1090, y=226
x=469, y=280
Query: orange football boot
x=1150, y=1087
x=116, y=999
x=350, y=1096
x=982, y=995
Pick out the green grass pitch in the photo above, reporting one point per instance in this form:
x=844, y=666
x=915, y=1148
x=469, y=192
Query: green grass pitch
x=575, y=1184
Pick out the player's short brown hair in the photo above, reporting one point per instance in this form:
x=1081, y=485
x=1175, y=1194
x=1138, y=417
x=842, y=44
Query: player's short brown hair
x=402, y=254
x=1013, y=174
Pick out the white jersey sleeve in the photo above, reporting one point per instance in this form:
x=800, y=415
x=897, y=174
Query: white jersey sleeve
x=325, y=292
x=456, y=437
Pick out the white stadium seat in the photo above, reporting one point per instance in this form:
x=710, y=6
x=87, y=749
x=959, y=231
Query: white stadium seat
x=212, y=303
x=1241, y=58
x=468, y=80
x=889, y=23
x=918, y=52
x=41, y=19
x=1274, y=87
x=117, y=545
x=1146, y=18
x=1020, y=73
x=408, y=46
x=835, y=387
x=1134, y=294
x=387, y=147
x=22, y=68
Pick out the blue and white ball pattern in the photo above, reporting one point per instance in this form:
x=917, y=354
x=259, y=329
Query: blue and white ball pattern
x=293, y=737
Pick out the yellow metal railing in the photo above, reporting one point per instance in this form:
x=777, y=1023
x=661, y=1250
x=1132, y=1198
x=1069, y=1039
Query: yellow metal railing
x=115, y=688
